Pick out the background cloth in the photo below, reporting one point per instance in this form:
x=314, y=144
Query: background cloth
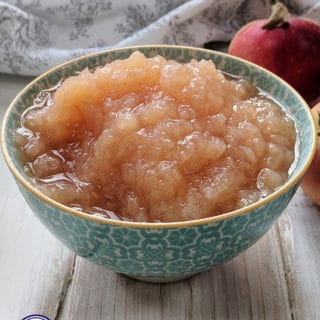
x=36, y=35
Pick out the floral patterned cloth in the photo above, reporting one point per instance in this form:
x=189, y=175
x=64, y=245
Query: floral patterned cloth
x=36, y=35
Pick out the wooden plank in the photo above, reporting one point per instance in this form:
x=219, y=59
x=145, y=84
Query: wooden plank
x=91, y=293
x=299, y=232
x=250, y=286
x=34, y=266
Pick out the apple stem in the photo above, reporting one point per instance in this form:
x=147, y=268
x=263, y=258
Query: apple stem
x=279, y=13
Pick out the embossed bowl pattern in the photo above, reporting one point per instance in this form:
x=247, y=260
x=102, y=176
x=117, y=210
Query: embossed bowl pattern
x=162, y=251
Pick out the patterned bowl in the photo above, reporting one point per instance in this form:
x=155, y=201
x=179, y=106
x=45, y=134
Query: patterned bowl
x=162, y=251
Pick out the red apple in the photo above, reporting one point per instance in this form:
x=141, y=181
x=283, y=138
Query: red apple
x=310, y=183
x=289, y=47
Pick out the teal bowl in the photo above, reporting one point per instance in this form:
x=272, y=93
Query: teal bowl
x=162, y=252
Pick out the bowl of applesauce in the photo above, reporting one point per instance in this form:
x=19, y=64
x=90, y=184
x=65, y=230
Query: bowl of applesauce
x=158, y=162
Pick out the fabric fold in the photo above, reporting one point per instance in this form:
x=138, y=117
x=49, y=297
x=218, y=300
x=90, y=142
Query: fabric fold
x=36, y=35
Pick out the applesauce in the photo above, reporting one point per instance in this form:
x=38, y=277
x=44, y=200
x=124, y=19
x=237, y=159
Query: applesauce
x=147, y=139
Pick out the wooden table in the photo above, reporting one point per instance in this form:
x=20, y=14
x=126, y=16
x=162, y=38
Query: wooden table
x=278, y=278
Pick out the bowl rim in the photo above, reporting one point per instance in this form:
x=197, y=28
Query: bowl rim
x=152, y=225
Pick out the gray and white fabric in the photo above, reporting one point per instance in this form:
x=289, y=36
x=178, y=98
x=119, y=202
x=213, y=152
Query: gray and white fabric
x=36, y=35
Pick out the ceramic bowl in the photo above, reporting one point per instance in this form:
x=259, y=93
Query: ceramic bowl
x=162, y=251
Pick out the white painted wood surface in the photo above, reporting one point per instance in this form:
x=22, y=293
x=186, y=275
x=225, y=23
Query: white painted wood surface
x=278, y=278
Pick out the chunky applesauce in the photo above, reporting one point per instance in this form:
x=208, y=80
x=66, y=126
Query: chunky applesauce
x=146, y=139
